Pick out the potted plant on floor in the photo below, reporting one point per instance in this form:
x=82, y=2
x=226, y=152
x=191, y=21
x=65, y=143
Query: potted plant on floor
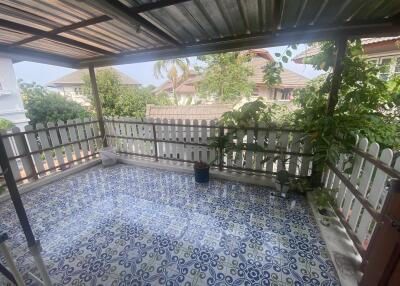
x=201, y=172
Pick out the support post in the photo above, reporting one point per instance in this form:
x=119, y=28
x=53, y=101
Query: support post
x=155, y=142
x=21, y=213
x=221, y=150
x=341, y=46
x=97, y=104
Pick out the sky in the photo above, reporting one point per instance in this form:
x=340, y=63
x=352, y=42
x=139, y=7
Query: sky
x=42, y=74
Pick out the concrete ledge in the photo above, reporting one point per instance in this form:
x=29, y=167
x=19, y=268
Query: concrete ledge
x=52, y=178
x=261, y=180
x=343, y=253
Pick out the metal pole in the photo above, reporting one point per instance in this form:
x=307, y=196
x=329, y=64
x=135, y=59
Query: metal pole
x=20, y=210
x=97, y=104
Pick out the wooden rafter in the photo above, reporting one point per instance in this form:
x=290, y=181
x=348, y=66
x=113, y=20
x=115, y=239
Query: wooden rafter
x=48, y=35
x=71, y=27
x=156, y=5
x=127, y=13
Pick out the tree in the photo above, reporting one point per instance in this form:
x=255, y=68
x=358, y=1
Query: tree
x=44, y=106
x=133, y=101
x=175, y=70
x=109, y=87
x=225, y=76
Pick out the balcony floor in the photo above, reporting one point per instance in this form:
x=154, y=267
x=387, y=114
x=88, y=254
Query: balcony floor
x=128, y=225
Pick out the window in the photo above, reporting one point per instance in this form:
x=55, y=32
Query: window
x=385, y=64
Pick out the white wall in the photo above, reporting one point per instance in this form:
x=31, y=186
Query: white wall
x=11, y=105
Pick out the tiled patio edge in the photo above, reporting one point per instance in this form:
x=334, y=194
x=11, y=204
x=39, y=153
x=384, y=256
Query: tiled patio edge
x=341, y=249
x=53, y=177
x=188, y=168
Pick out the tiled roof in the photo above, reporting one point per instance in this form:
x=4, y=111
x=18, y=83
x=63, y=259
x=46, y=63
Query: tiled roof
x=313, y=50
x=289, y=78
x=76, y=78
x=199, y=112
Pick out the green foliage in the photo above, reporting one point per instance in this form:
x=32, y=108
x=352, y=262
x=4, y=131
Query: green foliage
x=44, y=106
x=257, y=112
x=364, y=107
x=225, y=76
x=175, y=70
x=109, y=87
x=5, y=124
x=118, y=100
x=323, y=198
x=272, y=70
x=132, y=102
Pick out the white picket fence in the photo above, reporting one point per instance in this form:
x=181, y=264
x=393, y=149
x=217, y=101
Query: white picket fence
x=362, y=196
x=40, y=151
x=185, y=140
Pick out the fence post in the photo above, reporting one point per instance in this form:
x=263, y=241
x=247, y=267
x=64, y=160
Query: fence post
x=221, y=149
x=155, y=142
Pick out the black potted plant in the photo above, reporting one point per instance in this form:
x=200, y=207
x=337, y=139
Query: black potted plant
x=201, y=172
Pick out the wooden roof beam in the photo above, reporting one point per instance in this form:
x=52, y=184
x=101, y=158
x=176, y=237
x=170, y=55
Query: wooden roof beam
x=125, y=12
x=48, y=35
x=155, y=5
x=18, y=54
x=71, y=27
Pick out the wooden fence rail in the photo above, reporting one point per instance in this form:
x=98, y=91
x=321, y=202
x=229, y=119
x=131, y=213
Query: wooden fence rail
x=188, y=141
x=361, y=193
x=37, y=152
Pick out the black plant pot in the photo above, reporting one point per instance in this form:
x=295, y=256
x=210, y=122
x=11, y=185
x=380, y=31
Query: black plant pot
x=202, y=175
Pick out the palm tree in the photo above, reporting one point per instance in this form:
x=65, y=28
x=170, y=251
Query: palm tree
x=174, y=69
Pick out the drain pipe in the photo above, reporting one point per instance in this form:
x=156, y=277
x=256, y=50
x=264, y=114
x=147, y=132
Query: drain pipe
x=34, y=245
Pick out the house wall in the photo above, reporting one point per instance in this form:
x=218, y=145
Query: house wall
x=390, y=59
x=75, y=93
x=11, y=105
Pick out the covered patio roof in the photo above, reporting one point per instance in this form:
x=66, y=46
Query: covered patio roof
x=105, y=32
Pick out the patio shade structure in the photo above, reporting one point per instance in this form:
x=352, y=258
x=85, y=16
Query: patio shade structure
x=94, y=33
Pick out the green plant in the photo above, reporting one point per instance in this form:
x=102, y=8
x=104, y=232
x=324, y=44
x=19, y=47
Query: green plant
x=323, y=198
x=5, y=124
x=221, y=146
x=300, y=186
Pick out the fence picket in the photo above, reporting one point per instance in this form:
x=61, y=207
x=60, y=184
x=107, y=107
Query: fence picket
x=305, y=160
x=195, y=149
x=44, y=142
x=89, y=134
x=203, y=140
x=82, y=137
x=249, y=154
x=271, y=146
x=358, y=163
x=295, y=147
x=21, y=149
x=55, y=142
x=173, y=137
x=213, y=132
x=260, y=142
x=33, y=147
x=180, y=147
x=65, y=140
x=283, y=145
x=375, y=193
x=239, y=154
x=188, y=136
x=96, y=132
x=8, y=142
x=74, y=137
x=365, y=180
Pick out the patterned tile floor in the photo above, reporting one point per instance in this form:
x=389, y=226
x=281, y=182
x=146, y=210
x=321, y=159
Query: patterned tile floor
x=127, y=225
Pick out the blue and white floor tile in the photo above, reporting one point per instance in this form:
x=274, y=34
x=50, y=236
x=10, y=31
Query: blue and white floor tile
x=127, y=225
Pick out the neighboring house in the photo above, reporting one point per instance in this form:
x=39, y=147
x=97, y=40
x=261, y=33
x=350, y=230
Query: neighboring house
x=383, y=51
x=11, y=105
x=187, y=92
x=72, y=85
x=199, y=112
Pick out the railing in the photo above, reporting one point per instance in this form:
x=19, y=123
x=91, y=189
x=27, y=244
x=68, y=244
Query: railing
x=361, y=194
x=187, y=141
x=34, y=153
